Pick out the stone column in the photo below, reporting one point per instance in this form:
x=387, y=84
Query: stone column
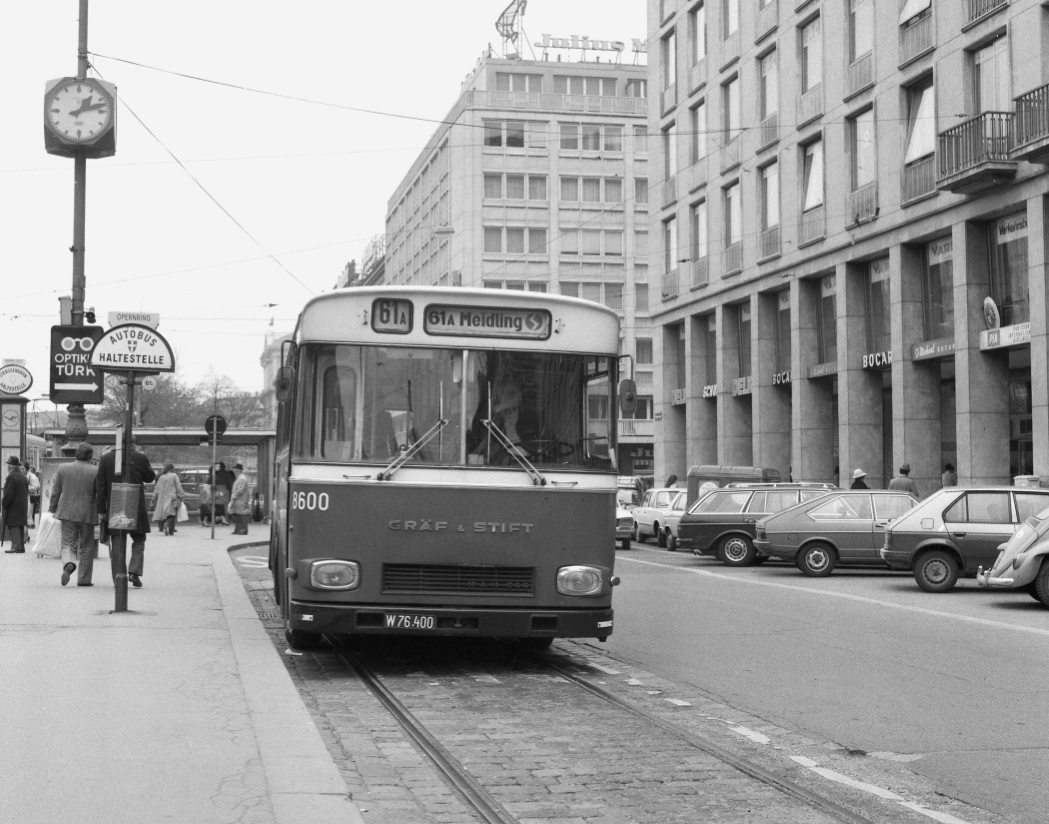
x=981, y=378
x=1037, y=235
x=734, y=413
x=702, y=412
x=770, y=404
x=813, y=416
x=669, y=446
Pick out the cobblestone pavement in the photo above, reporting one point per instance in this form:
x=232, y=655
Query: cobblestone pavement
x=551, y=753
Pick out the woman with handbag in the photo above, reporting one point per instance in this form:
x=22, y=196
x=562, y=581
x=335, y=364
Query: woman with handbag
x=167, y=498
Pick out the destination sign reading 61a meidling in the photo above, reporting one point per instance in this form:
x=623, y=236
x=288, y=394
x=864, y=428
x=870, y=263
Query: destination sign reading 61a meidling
x=485, y=322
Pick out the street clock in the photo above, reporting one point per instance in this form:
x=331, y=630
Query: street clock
x=80, y=117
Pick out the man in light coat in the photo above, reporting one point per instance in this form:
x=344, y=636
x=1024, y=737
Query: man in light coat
x=239, y=505
x=73, y=503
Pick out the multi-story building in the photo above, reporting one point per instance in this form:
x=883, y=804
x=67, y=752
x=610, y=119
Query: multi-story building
x=850, y=204
x=537, y=180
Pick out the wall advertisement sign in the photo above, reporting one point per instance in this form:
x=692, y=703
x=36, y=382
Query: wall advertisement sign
x=1015, y=335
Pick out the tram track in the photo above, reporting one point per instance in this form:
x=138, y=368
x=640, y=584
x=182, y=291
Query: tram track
x=489, y=809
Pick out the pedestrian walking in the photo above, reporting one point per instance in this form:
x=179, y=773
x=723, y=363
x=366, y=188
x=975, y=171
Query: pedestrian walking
x=167, y=498
x=204, y=491
x=239, y=505
x=139, y=472
x=34, y=493
x=73, y=503
x=949, y=476
x=904, y=483
x=857, y=480
x=14, y=506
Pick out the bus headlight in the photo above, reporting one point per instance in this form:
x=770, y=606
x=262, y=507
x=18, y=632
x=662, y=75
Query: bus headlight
x=335, y=574
x=579, y=580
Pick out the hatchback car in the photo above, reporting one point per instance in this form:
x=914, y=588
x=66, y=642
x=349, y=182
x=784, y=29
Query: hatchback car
x=843, y=527
x=624, y=526
x=1023, y=563
x=650, y=514
x=671, y=520
x=955, y=531
x=723, y=522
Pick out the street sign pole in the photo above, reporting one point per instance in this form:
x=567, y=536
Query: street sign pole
x=214, y=475
x=118, y=553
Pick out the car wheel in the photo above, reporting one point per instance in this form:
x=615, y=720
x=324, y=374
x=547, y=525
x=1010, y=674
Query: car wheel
x=299, y=639
x=661, y=537
x=637, y=534
x=671, y=541
x=817, y=560
x=737, y=550
x=936, y=571
x=624, y=543
x=1041, y=583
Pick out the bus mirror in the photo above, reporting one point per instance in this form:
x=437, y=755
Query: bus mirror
x=627, y=396
x=284, y=385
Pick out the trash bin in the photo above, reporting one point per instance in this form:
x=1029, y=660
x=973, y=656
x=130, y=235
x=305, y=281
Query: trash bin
x=1027, y=480
x=124, y=506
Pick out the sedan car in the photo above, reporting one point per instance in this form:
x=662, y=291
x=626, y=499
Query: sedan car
x=1023, y=563
x=844, y=527
x=624, y=526
x=723, y=522
x=651, y=513
x=955, y=531
x=671, y=520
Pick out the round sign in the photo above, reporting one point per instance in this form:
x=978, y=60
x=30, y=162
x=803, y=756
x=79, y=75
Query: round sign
x=149, y=383
x=14, y=379
x=215, y=424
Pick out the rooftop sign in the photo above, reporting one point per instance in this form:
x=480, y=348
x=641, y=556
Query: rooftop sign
x=576, y=42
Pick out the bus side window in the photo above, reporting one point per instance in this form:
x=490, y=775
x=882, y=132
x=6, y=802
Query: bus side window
x=338, y=405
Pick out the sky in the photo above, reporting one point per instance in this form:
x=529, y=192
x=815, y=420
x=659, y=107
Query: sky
x=257, y=146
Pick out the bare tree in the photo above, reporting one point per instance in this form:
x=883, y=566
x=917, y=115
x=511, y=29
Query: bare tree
x=219, y=396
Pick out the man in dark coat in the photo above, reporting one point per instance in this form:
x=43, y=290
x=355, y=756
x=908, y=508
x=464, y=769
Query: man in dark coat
x=15, y=507
x=139, y=472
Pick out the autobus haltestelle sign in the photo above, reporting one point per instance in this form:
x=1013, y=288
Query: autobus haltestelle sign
x=133, y=348
x=487, y=322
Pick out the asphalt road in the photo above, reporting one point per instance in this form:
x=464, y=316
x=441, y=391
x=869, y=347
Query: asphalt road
x=955, y=685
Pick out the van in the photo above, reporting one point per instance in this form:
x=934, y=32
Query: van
x=724, y=475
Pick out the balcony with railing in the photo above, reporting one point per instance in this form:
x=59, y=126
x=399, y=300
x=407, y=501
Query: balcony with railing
x=700, y=273
x=636, y=427
x=919, y=178
x=733, y=259
x=768, y=131
x=982, y=8
x=541, y=101
x=730, y=149
x=697, y=74
x=769, y=243
x=813, y=226
x=916, y=37
x=669, y=192
x=810, y=105
x=975, y=155
x=670, y=286
x=768, y=19
x=860, y=74
x=1032, y=126
x=862, y=205
x=668, y=98
x=695, y=175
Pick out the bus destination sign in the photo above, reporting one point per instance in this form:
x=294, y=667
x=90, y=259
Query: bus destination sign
x=487, y=322
x=392, y=316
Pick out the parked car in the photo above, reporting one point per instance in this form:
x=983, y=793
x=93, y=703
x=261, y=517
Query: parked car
x=955, y=531
x=671, y=520
x=1023, y=563
x=842, y=527
x=723, y=522
x=624, y=527
x=650, y=514
x=718, y=475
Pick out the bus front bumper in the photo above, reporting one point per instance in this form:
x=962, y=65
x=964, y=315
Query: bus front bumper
x=421, y=620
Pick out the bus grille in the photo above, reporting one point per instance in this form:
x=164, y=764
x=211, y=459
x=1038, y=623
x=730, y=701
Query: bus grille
x=441, y=578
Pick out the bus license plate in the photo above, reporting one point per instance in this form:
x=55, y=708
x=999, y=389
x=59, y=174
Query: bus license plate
x=402, y=620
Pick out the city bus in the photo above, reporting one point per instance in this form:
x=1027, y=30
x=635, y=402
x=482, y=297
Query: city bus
x=445, y=464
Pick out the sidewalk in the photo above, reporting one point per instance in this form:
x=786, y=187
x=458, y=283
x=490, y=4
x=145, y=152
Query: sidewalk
x=179, y=710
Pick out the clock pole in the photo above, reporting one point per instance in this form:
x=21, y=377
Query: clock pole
x=76, y=422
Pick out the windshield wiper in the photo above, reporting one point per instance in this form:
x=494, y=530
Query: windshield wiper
x=515, y=453
x=412, y=450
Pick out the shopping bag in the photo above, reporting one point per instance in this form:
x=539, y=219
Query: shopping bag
x=183, y=514
x=49, y=538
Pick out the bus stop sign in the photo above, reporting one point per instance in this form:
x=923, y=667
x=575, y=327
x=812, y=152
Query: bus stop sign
x=215, y=425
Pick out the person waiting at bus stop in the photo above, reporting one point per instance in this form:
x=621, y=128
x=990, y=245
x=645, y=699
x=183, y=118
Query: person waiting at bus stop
x=239, y=503
x=220, y=480
x=14, y=511
x=139, y=472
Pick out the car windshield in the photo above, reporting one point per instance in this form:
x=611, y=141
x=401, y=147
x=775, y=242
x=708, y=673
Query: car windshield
x=376, y=403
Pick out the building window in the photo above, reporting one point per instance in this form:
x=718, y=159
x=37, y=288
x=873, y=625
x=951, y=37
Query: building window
x=861, y=135
x=769, y=89
x=698, y=116
x=698, y=230
x=913, y=8
x=640, y=191
x=861, y=28
x=515, y=187
x=744, y=340
x=570, y=289
x=640, y=297
x=991, y=83
x=613, y=141
x=813, y=182
x=921, y=122
x=515, y=134
x=614, y=296
x=568, y=85
x=731, y=106
x=590, y=291
x=827, y=312
x=536, y=286
x=493, y=133
x=591, y=137
x=505, y=82
x=938, y=289
x=569, y=136
x=640, y=140
x=783, y=340
x=537, y=241
x=668, y=60
x=733, y=215
x=613, y=242
x=570, y=242
x=670, y=245
x=1009, y=274
x=669, y=151
x=711, y=355
x=493, y=239
x=640, y=245
x=509, y=133
x=811, y=56
x=879, y=322
x=643, y=351
x=591, y=190
x=536, y=187
x=636, y=88
x=515, y=242
x=770, y=196
x=730, y=16
x=493, y=186
x=591, y=241
x=613, y=190
x=697, y=32
x=570, y=189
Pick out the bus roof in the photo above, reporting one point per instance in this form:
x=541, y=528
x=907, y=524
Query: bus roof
x=457, y=317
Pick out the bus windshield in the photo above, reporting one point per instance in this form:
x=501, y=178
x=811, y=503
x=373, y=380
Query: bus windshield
x=374, y=403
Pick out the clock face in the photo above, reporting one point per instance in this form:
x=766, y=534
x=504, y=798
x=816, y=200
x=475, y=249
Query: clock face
x=79, y=111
